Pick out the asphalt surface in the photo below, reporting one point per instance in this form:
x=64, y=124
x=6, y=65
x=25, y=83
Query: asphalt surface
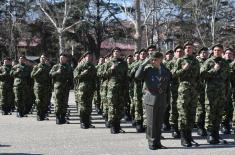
x=28, y=136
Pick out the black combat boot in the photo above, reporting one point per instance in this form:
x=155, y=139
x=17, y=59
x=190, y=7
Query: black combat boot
x=189, y=135
x=113, y=128
x=175, y=132
x=139, y=127
x=107, y=123
x=201, y=132
x=58, y=120
x=226, y=130
x=212, y=138
x=185, y=139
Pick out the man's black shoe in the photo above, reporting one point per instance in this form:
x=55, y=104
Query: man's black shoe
x=201, y=132
x=152, y=147
x=84, y=126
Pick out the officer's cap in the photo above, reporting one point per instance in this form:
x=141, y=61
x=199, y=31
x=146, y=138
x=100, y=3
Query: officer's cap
x=217, y=45
x=178, y=47
x=188, y=43
x=157, y=55
x=203, y=49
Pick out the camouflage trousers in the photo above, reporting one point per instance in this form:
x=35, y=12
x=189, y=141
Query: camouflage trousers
x=214, y=109
x=97, y=99
x=7, y=99
x=228, y=110
x=174, y=114
x=186, y=104
x=42, y=95
x=201, y=113
x=138, y=104
x=104, y=101
x=85, y=106
x=61, y=97
x=21, y=94
x=115, y=104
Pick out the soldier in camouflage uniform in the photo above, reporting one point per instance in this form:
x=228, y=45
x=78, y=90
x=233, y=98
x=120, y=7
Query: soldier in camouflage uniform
x=215, y=71
x=6, y=87
x=129, y=93
x=174, y=84
x=131, y=87
x=85, y=72
x=232, y=78
x=117, y=75
x=228, y=105
x=42, y=84
x=21, y=74
x=138, y=93
x=168, y=57
x=200, y=113
x=187, y=70
x=62, y=76
x=97, y=96
x=104, y=89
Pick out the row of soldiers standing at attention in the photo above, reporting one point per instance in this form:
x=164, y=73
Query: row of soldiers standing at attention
x=201, y=90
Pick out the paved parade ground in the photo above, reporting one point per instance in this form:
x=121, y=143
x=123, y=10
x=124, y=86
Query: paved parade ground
x=28, y=136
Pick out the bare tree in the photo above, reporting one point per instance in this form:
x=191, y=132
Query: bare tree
x=59, y=19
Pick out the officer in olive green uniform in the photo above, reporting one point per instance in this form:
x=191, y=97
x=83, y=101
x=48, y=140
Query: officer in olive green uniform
x=85, y=72
x=156, y=84
x=187, y=70
x=215, y=71
x=117, y=75
x=21, y=74
x=200, y=113
x=62, y=76
x=6, y=87
x=42, y=84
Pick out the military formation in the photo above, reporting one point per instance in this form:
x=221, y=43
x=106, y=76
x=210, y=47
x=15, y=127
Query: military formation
x=176, y=92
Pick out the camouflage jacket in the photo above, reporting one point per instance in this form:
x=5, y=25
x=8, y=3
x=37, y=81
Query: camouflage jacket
x=21, y=74
x=215, y=79
x=86, y=75
x=62, y=76
x=191, y=75
x=6, y=80
x=118, y=75
x=40, y=74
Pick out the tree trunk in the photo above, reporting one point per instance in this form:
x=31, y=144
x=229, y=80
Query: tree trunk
x=61, y=47
x=138, y=33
